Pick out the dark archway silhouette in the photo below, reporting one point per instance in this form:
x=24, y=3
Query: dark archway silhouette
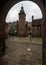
x=4, y=11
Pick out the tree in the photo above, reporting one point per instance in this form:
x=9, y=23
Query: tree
x=12, y=31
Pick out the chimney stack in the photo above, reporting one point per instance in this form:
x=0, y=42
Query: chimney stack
x=32, y=17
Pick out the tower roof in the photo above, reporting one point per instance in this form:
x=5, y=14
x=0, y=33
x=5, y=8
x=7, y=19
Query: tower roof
x=22, y=11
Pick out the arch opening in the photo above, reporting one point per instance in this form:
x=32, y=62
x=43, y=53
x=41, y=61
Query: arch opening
x=30, y=9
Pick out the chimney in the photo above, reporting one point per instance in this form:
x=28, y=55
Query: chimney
x=32, y=17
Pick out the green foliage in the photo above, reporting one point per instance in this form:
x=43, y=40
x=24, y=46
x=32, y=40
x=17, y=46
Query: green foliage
x=12, y=31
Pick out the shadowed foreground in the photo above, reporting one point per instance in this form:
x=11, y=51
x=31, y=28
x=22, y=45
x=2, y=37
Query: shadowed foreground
x=22, y=53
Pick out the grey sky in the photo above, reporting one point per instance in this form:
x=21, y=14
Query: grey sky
x=30, y=9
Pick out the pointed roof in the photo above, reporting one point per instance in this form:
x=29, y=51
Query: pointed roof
x=22, y=11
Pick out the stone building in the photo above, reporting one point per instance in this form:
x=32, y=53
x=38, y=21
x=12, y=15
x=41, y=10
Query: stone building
x=15, y=25
x=36, y=27
x=22, y=25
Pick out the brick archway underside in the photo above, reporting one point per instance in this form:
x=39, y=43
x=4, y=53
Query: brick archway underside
x=9, y=4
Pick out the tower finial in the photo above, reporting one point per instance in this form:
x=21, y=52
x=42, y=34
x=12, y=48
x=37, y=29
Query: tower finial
x=22, y=9
x=22, y=5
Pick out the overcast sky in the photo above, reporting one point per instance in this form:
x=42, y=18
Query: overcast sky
x=30, y=9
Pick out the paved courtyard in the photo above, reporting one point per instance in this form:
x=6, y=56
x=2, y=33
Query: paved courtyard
x=36, y=40
x=22, y=51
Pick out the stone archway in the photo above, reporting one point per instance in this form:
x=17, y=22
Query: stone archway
x=9, y=4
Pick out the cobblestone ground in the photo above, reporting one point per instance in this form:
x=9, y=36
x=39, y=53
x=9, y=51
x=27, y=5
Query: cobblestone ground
x=22, y=53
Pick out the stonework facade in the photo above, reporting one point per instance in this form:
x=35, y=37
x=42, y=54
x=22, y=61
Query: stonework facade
x=22, y=23
x=23, y=27
x=36, y=27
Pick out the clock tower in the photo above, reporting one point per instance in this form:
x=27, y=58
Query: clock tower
x=22, y=23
